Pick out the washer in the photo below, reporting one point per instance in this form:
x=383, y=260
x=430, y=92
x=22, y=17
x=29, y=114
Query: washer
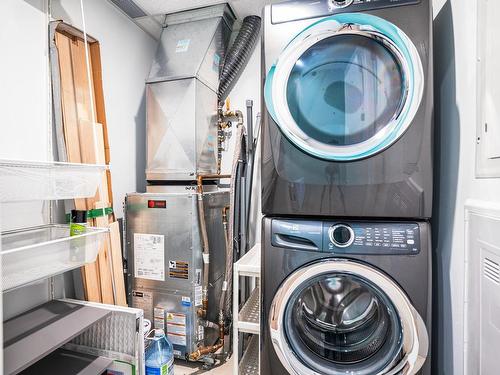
x=345, y=297
x=348, y=108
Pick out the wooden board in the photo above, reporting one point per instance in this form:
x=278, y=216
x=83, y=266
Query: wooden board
x=86, y=138
x=104, y=262
x=117, y=260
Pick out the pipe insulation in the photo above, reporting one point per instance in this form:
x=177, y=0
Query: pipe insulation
x=238, y=55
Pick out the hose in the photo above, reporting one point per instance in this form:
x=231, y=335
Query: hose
x=228, y=268
x=204, y=239
x=239, y=143
x=238, y=55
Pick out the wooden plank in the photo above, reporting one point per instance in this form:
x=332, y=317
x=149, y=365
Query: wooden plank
x=90, y=274
x=103, y=258
x=87, y=137
x=104, y=261
x=69, y=108
x=91, y=141
x=91, y=282
x=117, y=260
x=95, y=57
x=80, y=79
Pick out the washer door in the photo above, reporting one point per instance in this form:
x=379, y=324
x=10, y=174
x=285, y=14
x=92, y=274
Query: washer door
x=343, y=317
x=346, y=87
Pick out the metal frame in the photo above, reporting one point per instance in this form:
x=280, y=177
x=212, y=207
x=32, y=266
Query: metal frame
x=248, y=266
x=415, y=338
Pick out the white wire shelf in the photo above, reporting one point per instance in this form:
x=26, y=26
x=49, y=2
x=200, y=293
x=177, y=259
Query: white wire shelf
x=249, y=364
x=249, y=264
x=36, y=333
x=36, y=253
x=249, y=316
x=34, y=180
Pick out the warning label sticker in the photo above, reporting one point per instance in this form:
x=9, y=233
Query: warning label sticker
x=176, y=328
x=178, y=269
x=149, y=258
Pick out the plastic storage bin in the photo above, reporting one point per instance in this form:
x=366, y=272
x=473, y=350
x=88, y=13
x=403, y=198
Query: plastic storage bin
x=27, y=180
x=37, y=253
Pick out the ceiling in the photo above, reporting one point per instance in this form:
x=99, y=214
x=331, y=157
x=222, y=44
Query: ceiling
x=149, y=14
x=242, y=8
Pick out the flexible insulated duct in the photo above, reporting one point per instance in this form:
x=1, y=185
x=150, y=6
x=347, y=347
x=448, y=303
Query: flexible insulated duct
x=238, y=55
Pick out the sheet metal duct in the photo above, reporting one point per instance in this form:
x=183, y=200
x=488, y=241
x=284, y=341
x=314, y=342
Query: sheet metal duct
x=181, y=94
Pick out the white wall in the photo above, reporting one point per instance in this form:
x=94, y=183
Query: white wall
x=126, y=53
x=25, y=128
x=455, y=94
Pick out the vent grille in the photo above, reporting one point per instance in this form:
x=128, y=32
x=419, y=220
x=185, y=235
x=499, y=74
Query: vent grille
x=491, y=270
x=129, y=8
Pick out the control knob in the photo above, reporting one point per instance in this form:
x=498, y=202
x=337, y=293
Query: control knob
x=341, y=235
x=335, y=4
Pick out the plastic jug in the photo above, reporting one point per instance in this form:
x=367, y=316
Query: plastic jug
x=159, y=355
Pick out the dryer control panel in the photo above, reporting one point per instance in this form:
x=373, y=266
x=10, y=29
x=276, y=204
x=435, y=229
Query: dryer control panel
x=347, y=237
x=294, y=10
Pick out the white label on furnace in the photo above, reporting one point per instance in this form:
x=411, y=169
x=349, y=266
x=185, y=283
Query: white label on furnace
x=143, y=300
x=197, y=295
x=149, y=256
x=182, y=45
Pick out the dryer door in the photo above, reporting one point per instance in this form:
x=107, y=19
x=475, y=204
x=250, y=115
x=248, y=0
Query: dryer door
x=346, y=87
x=343, y=317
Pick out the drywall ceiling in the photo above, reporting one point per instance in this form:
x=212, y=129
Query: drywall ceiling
x=242, y=8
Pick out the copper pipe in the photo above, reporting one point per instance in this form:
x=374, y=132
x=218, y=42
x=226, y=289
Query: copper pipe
x=204, y=350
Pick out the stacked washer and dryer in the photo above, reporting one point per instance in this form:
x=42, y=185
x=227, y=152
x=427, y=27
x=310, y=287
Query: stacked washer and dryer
x=347, y=187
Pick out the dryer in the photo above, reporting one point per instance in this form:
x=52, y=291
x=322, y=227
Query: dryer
x=345, y=297
x=348, y=108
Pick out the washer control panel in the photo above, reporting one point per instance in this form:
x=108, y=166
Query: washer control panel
x=347, y=237
x=369, y=238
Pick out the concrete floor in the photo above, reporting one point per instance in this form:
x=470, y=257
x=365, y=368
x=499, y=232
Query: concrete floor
x=186, y=368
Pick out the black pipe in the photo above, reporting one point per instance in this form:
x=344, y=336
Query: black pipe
x=238, y=55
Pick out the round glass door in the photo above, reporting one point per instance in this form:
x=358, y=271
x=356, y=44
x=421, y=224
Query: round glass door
x=338, y=323
x=340, y=317
x=346, y=88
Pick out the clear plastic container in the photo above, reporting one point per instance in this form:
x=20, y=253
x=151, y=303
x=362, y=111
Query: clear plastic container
x=37, y=253
x=160, y=355
x=31, y=180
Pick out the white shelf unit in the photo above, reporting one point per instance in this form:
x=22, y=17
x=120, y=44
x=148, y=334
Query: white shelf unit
x=247, y=320
x=99, y=333
x=33, y=180
x=32, y=254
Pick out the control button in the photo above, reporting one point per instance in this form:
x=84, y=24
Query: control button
x=341, y=235
x=335, y=4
